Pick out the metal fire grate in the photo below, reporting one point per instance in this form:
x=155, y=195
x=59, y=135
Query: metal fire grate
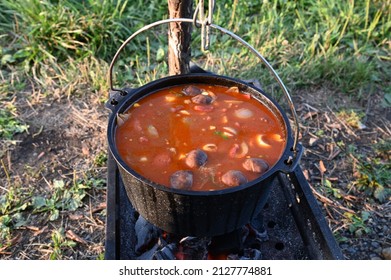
x=292, y=218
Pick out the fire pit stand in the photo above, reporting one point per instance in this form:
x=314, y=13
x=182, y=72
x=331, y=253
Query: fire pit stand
x=294, y=223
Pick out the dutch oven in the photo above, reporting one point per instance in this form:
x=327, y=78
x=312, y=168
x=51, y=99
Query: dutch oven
x=197, y=213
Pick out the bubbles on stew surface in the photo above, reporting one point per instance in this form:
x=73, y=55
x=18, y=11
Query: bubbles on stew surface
x=200, y=137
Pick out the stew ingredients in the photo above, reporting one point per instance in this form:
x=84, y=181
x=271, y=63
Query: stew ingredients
x=200, y=137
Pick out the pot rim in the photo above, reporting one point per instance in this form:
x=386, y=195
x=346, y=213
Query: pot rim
x=277, y=167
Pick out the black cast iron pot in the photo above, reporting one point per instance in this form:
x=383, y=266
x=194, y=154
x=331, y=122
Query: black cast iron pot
x=197, y=213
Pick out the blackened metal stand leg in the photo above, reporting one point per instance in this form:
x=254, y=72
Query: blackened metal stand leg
x=112, y=199
x=308, y=216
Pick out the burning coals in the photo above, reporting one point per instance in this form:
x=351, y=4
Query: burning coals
x=155, y=244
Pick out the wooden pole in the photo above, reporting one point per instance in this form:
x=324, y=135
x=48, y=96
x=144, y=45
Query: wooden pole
x=179, y=37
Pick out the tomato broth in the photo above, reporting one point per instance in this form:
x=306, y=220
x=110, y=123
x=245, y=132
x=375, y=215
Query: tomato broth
x=200, y=137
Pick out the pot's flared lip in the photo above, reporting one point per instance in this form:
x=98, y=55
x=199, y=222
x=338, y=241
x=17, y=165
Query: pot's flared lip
x=170, y=81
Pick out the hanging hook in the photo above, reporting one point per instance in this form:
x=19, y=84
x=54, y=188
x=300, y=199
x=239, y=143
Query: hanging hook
x=205, y=22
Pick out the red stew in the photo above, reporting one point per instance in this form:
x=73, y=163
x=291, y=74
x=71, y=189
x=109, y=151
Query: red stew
x=200, y=137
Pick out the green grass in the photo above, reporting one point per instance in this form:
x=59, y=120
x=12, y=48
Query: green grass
x=58, y=30
x=309, y=42
x=343, y=43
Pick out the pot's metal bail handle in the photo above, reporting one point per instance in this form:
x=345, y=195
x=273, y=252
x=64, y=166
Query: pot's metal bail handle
x=116, y=97
x=292, y=160
x=280, y=83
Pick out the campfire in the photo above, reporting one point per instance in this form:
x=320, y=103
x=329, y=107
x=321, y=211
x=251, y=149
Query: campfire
x=155, y=244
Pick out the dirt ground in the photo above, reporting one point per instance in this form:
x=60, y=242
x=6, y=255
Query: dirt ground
x=66, y=136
